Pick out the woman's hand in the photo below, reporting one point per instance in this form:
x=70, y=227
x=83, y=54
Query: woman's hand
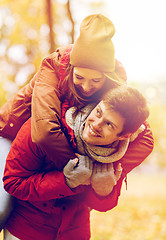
x=78, y=171
x=104, y=178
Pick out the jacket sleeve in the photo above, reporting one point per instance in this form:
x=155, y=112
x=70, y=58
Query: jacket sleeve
x=137, y=152
x=46, y=112
x=15, y=112
x=27, y=176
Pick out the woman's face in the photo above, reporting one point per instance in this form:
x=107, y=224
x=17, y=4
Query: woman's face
x=87, y=81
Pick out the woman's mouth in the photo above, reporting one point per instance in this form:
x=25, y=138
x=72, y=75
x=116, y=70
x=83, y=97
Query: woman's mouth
x=83, y=93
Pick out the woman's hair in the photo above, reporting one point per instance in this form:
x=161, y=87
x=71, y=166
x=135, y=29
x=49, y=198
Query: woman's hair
x=68, y=90
x=131, y=105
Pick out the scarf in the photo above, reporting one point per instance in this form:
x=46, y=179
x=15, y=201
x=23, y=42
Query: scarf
x=103, y=154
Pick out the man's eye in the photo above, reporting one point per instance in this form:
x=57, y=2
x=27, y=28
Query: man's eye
x=110, y=125
x=98, y=112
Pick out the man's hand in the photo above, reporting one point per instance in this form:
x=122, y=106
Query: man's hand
x=104, y=178
x=78, y=171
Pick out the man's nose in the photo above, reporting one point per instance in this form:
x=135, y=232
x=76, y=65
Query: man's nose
x=97, y=125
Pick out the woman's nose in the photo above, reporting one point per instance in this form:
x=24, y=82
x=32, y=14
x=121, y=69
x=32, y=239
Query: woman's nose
x=86, y=86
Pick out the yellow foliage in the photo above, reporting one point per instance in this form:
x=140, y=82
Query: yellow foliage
x=2, y=95
x=140, y=214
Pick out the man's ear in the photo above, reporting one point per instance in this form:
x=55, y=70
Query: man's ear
x=127, y=135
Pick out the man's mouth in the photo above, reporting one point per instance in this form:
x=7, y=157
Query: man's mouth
x=93, y=132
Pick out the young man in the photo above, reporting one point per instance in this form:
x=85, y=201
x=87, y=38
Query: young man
x=103, y=133
x=46, y=207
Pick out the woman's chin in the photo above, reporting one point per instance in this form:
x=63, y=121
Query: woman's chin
x=83, y=94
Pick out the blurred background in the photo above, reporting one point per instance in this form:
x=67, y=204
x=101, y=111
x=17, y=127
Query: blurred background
x=31, y=30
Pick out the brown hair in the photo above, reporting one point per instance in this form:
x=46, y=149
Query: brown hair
x=131, y=105
x=68, y=90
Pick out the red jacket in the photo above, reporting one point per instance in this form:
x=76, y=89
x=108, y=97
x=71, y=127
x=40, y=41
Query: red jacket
x=45, y=199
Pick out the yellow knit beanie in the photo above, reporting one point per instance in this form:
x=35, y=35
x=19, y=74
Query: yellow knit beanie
x=93, y=48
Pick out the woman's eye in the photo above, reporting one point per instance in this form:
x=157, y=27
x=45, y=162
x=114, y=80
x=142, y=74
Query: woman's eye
x=78, y=77
x=96, y=80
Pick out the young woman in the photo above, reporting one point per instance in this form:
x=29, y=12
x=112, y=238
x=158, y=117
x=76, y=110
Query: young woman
x=73, y=75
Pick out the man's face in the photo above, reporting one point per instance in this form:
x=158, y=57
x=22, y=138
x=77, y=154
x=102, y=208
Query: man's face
x=102, y=126
x=87, y=81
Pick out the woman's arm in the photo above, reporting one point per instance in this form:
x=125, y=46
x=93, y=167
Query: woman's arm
x=46, y=110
